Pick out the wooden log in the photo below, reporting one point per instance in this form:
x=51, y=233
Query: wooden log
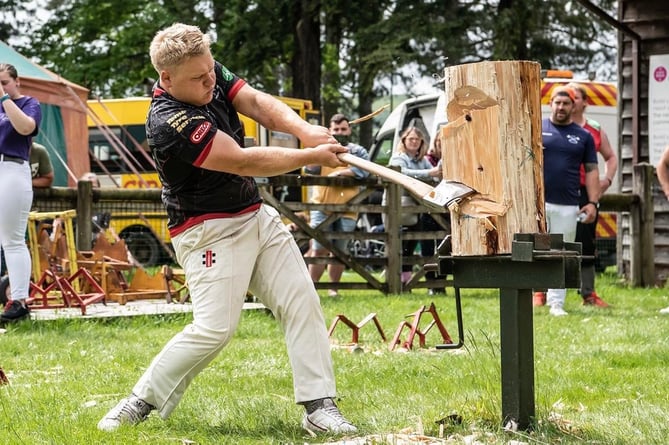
x=493, y=144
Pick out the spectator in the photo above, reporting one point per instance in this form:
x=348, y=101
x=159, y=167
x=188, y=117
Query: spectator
x=567, y=146
x=663, y=172
x=346, y=222
x=586, y=233
x=20, y=117
x=227, y=241
x=663, y=176
x=410, y=157
x=41, y=168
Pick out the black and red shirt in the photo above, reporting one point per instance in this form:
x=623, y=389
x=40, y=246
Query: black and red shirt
x=180, y=137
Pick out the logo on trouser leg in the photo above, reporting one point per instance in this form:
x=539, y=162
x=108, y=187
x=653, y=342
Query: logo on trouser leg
x=208, y=258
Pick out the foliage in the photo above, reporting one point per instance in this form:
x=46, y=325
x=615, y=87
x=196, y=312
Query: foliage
x=556, y=33
x=598, y=372
x=339, y=55
x=253, y=43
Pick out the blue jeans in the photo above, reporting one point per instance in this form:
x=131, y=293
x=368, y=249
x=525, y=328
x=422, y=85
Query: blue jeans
x=342, y=224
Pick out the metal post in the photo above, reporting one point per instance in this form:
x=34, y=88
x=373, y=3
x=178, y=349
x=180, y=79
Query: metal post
x=517, y=345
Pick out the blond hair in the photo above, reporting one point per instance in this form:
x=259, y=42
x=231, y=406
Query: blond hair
x=177, y=43
x=422, y=150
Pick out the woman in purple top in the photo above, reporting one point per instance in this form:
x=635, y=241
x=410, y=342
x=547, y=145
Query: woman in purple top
x=20, y=117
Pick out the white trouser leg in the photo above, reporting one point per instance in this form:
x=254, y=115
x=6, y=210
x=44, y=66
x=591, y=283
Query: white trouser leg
x=17, y=198
x=220, y=257
x=561, y=219
x=281, y=281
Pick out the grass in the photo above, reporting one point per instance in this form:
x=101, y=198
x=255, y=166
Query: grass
x=600, y=376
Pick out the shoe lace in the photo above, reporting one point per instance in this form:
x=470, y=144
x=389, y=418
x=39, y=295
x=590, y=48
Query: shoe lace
x=330, y=408
x=134, y=411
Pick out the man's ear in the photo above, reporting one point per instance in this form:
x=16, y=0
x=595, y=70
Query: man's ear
x=165, y=79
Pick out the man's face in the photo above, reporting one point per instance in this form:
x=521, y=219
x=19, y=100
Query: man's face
x=340, y=128
x=579, y=103
x=561, y=109
x=192, y=81
x=341, y=131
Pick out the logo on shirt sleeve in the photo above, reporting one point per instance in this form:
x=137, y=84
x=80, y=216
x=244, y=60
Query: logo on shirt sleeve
x=199, y=132
x=227, y=75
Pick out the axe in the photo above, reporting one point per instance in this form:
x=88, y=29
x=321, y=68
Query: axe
x=437, y=198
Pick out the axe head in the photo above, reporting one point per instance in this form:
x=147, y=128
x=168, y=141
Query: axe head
x=447, y=192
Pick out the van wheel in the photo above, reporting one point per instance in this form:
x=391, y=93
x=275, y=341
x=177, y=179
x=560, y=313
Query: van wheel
x=4, y=290
x=143, y=246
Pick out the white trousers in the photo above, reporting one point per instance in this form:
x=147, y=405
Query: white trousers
x=222, y=259
x=16, y=197
x=560, y=219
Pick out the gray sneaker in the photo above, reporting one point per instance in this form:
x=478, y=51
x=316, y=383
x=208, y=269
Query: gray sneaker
x=327, y=419
x=130, y=410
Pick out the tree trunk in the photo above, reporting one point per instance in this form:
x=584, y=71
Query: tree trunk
x=306, y=63
x=493, y=144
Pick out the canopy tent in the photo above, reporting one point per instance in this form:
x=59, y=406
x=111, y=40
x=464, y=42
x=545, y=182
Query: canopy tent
x=63, y=130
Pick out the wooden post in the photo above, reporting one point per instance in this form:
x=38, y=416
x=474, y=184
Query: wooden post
x=84, y=215
x=642, y=228
x=493, y=144
x=394, y=242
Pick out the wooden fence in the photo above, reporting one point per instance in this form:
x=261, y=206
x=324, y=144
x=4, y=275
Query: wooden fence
x=380, y=271
x=380, y=268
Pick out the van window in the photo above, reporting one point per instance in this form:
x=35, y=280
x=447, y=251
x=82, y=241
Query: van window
x=384, y=151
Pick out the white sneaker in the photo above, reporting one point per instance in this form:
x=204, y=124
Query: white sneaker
x=557, y=311
x=665, y=310
x=131, y=410
x=327, y=419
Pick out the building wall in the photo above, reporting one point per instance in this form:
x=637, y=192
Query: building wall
x=650, y=20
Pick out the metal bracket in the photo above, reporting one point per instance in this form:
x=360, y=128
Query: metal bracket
x=356, y=327
x=414, y=329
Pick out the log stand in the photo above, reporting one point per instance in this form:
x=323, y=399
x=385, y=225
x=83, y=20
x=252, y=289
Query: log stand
x=537, y=261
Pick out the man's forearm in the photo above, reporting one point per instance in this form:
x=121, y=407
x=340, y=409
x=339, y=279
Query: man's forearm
x=42, y=182
x=592, y=185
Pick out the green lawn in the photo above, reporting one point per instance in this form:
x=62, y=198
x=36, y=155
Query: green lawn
x=601, y=376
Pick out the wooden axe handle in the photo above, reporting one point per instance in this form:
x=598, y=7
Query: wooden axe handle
x=414, y=186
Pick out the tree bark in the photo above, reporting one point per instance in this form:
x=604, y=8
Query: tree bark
x=306, y=63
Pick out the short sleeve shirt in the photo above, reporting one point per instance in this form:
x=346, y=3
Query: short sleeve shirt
x=566, y=148
x=40, y=163
x=12, y=143
x=180, y=137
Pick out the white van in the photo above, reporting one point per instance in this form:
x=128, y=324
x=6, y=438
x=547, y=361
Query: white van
x=425, y=112
x=428, y=112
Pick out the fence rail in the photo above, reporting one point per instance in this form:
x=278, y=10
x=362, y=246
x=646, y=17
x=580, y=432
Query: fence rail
x=379, y=271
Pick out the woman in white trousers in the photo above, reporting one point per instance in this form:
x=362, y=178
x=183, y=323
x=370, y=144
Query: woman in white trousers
x=20, y=117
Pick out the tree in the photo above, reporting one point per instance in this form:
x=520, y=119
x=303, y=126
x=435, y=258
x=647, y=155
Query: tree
x=340, y=57
x=556, y=33
x=384, y=38
x=104, y=45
